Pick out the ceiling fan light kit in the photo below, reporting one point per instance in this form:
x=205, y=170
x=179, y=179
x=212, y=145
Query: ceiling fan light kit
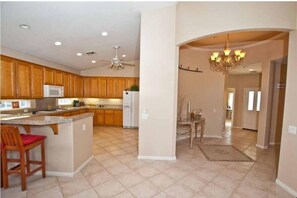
x=223, y=62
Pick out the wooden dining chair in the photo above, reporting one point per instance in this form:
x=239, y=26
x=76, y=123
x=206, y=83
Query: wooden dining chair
x=12, y=140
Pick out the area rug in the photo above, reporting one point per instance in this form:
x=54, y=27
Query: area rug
x=223, y=153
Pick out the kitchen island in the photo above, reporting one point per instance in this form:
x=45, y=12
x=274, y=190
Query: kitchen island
x=68, y=149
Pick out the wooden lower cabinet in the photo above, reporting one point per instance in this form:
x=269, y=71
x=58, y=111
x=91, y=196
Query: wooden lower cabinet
x=118, y=117
x=108, y=117
x=99, y=117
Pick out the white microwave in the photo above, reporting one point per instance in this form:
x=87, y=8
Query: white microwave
x=53, y=91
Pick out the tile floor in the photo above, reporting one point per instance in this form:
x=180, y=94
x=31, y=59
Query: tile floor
x=116, y=172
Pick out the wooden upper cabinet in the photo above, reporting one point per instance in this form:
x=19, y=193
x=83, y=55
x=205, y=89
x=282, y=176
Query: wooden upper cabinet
x=8, y=88
x=94, y=88
x=58, y=78
x=110, y=89
x=23, y=79
x=137, y=81
x=129, y=83
x=118, y=117
x=102, y=87
x=36, y=81
x=71, y=85
x=49, y=76
x=87, y=87
x=66, y=84
x=78, y=86
x=119, y=86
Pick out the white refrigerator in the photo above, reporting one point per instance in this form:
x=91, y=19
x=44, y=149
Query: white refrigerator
x=130, y=109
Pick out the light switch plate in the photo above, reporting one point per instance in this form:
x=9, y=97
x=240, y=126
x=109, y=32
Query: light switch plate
x=292, y=129
x=84, y=127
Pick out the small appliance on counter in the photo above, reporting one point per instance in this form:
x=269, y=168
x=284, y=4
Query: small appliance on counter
x=75, y=103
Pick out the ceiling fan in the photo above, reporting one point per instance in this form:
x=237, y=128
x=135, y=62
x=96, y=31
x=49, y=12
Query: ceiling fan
x=116, y=63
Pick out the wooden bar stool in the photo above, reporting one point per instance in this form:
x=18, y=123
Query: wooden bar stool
x=12, y=140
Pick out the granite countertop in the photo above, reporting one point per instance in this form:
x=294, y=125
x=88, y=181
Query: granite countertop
x=46, y=120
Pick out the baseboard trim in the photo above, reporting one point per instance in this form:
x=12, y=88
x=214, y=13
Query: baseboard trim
x=156, y=157
x=261, y=147
x=286, y=188
x=212, y=136
x=274, y=143
x=67, y=174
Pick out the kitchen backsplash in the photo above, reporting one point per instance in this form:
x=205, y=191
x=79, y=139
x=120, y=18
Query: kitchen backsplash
x=45, y=103
x=103, y=101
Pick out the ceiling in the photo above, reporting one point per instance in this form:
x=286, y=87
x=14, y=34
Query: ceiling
x=78, y=25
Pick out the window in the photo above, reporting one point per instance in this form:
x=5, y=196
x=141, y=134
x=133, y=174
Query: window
x=7, y=104
x=258, y=100
x=64, y=101
x=251, y=100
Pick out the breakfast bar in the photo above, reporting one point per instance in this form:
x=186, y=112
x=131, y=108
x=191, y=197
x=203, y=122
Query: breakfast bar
x=68, y=145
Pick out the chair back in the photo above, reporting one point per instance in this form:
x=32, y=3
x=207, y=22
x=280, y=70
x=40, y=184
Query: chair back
x=10, y=137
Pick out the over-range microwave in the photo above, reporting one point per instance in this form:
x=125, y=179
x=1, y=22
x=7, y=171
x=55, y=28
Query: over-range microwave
x=53, y=91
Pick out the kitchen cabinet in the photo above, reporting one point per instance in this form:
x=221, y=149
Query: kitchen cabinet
x=130, y=82
x=118, y=117
x=66, y=84
x=102, y=87
x=71, y=85
x=49, y=76
x=87, y=87
x=137, y=81
x=94, y=87
x=23, y=79
x=78, y=86
x=8, y=87
x=110, y=92
x=36, y=81
x=119, y=87
x=58, y=78
x=99, y=117
x=108, y=117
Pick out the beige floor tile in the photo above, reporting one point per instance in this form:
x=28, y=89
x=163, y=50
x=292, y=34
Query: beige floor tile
x=129, y=179
x=175, y=173
x=136, y=164
x=161, y=195
x=179, y=190
x=110, y=162
x=14, y=192
x=162, y=181
x=103, y=157
x=75, y=186
x=126, y=158
x=144, y=189
x=91, y=169
x=120, y=169
x=148, y=171
x=99, y=178
x=110, y=188
x=89, y=193
x=49, y=193
x=194, y=182
x=124, y=194
x=41, y=185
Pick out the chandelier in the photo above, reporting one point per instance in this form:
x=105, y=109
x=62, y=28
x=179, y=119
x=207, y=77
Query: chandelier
x=223, y=62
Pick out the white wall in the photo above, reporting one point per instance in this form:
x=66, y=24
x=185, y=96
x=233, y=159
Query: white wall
x=158, y=82
x=27, y=57
x=129, y=71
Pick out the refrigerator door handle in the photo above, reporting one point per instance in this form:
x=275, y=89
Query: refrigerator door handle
x=125, y=107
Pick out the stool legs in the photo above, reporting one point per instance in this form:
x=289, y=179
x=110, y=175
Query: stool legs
x=28, y=161
x=4, y=168
x=23, y=170
x=43, y=159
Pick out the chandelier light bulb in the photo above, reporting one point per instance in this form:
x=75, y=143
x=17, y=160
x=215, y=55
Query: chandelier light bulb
x=242, y=54
x=212, y=58
x=237, y=52
x=216, y=54
x=227, y=52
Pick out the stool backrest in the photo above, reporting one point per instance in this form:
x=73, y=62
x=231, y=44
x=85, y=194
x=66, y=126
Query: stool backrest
x=10, y=136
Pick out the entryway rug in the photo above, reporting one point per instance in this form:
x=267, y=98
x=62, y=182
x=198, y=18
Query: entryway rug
x=223, y=153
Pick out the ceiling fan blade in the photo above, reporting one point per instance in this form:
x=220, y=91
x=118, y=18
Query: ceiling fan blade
x=128, y=64
x=105, y=60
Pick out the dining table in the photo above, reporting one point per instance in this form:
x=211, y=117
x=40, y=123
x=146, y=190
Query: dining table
x=193, y=127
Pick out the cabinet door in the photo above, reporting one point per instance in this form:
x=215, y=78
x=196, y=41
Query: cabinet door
x=66, y=84
x=99, y=116
x=49, y=76
x=8, y=88
x=94, y=87
x=78, y=87
x=118, y=117
x=58, y=77
x=102, y=87
x=71, y=85
x=23, y=79
x=37, y=81
x=130, y=82
x=110, y=88
x=108, y=117
x=119, y=86
x=87, y=87
x=137, y=81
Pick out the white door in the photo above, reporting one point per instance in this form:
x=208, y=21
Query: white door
x=251, y=108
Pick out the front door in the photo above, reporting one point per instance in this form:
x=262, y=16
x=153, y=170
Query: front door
x=251, y=108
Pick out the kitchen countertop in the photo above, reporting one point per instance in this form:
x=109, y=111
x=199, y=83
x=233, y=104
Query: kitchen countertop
x=45, y=120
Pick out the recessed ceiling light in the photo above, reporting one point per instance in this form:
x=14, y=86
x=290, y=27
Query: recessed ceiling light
x=58, y=43
x=104, y=33
x=124, y=55
x=24, y=26
x=93, y=61
x=251, y=70
x=79, y=54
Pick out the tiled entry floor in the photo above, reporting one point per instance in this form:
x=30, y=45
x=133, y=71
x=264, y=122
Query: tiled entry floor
x=116, y=172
